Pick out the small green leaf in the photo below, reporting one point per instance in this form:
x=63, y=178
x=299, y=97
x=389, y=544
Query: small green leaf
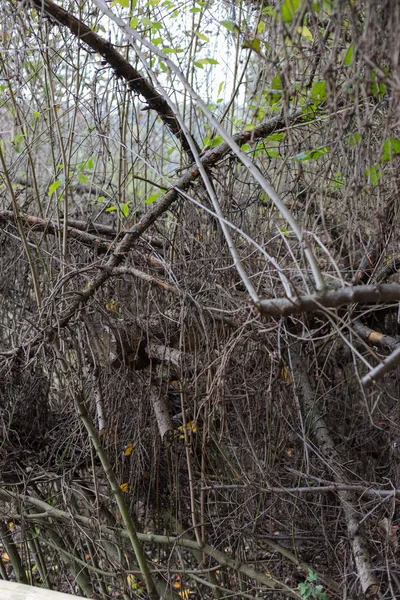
x=124, y=208
x=133, y=23
x=207, y=61
x=53, y=187
x=260, y=27
x=354, y=139
x=152, y=198
x=273, y=153
x=146, y=21
x=276, y=83
x=289, y=9
x=312, y=576
x=306, y=33
x=229, y=25
x=285, y=231
x=312, y=154
x=111, y=208
x=374, y=174
x=349, y=56
x=123, y=3
x=252, y=44
x=245, y=147
x=90, y=163
x=36, y=114
x=318, y=91
x=168, y=50
x=275, y=137
x=391, y=146
x=201, y=36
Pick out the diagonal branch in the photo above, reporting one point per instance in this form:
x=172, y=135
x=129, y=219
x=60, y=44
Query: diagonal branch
x=306, y=394
x=119, y=64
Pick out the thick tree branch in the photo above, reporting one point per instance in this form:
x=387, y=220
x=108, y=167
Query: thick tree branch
x=361, y=294
x=121, y=67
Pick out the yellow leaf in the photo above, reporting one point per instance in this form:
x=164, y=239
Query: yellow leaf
x=124, y=487
x=131, y=581
x=185, y=594
x=128, y=449
x=305, y=32
x=112, y=305
x=177, y=582
x=286, y=376
x=190, y=426
x=5, y=557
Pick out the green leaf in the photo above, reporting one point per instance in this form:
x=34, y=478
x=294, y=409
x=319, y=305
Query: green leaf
x=133, y=23
x=36, y=114
x=273, y=153
x=229, y=25
x=306, y=33
x=201, y=36
x=354, y=139
x=220, y=87
x=168, y=50
x=153, y=198
x=391, y=147
x=252, y=44
x=82, y=178
x=260, y=27
x=374, y=174
x=90, y=163
x=124, y=208
x=215, y=141
x=207, y=61
x=146, y=21
x=53, y=187
x=318, y=91
x=312, y=576
x=245, y=147
x=349, y=56
x=275, y=137
x=123, y=3
x=312, y=154
x=289, y=9
x=276, y=83
x=305, y=590
x=285, y=231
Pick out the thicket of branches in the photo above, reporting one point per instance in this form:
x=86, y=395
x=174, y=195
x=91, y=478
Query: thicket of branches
x=200, y=334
